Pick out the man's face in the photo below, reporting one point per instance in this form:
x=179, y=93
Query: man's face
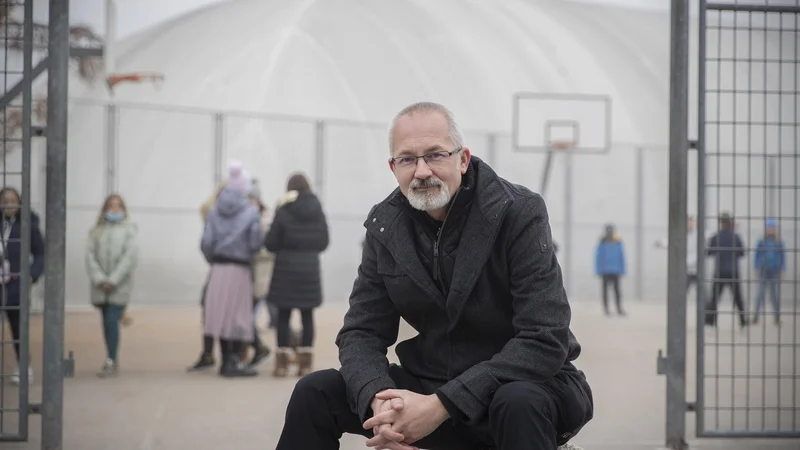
x=690, y=224
x=10, y=203
x=772, y=231
x=429, y=186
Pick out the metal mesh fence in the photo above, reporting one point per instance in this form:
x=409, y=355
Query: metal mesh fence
x=749, y=354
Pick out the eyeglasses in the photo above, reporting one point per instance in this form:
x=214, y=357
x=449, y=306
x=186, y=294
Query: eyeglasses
x=432, y=159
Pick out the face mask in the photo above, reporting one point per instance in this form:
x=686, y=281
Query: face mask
x=114, y=217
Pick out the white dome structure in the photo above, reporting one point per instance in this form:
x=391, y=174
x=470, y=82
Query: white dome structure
x=277, y=84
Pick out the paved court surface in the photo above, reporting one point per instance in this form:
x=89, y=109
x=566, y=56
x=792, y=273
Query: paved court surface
x=155, y=404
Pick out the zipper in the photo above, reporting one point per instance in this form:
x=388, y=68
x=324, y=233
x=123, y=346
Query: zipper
x=436, y=263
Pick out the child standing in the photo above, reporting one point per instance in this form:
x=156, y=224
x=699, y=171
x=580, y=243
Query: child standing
x=770, y=263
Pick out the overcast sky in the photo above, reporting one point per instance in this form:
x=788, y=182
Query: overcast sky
x=135, y=15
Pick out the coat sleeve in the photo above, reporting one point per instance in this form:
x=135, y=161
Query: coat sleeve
x=37, y=250
x=541, y=318
x=256, y=235
x=274, y=237
x=782, y=255
x=622, y=258
x=208, y=241
x=371, y=325
x=739, y=246
x=96, y=274
x=597, y=251
x=758, y=258
x=127, y=262
x=324, y=237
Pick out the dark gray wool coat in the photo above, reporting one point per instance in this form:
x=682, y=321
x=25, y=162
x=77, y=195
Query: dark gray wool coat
x=496, y=313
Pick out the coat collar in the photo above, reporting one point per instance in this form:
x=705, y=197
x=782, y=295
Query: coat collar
x=388, y=223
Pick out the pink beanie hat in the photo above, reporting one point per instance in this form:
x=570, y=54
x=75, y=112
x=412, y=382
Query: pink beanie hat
x=238, y=178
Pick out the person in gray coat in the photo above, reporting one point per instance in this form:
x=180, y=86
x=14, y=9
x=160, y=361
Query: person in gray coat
x=112, y=253
x=231, y=238
x=466, y=258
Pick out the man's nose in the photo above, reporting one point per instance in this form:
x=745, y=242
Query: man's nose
x=422, y=171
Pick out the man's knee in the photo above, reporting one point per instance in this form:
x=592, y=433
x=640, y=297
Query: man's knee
x=522, y=396
x=318, y=384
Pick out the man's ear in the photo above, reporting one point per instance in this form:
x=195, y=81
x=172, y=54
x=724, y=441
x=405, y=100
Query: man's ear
x=465, y=156
x=391, y=166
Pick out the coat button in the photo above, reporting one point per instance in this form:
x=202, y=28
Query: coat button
x=374, y=219
x=381, y=229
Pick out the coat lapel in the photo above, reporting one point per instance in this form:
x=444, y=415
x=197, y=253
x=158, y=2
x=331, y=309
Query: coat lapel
x=392, y=230
x=477, y=241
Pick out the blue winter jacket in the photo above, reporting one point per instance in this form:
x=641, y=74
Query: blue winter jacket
x=770, y=258
x=14, y=255
x=609, y=258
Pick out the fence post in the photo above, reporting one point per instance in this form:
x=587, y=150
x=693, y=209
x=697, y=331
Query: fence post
x=640, y=261
x=319, y=160
x=111, y=148
x=219, y=143
x=25, y=222
x=55, y=248
x=675, y=363
x=568, y=222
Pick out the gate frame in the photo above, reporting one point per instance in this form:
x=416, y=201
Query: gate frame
x=23, y=408
x=699, y=405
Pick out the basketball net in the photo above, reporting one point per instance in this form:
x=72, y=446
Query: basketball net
x=157, y=79
x=560, y=146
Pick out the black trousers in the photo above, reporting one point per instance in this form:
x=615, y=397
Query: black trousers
x=285, y=328
x=14, y=322
x=522, y=415
x=613, y=281
x=735, y=285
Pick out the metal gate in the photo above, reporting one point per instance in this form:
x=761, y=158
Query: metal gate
x=15, y=121
x=50, y=44
x=748, y=363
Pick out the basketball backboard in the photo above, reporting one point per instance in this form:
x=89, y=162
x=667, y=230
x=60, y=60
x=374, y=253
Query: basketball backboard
x=541, y=119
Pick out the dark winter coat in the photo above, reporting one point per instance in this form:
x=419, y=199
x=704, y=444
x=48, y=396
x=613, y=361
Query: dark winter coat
x=490, y=308
x=13, y=254
x=299, y=233
x=727, y=248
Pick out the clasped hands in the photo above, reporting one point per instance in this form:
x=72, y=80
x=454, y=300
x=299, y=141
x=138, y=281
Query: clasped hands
x=402, y=417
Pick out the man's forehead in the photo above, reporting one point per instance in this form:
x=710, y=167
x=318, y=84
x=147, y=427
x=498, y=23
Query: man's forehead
x=421, y=130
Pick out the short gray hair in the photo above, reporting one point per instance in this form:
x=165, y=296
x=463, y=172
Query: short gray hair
x=454, y=130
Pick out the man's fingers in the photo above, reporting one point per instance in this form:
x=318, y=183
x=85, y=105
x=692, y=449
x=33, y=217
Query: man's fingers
x=382, y=418
x=384, y=437
x=388, y=394
x=397, y=404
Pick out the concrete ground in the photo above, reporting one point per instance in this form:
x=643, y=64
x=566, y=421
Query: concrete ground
x=154, y=404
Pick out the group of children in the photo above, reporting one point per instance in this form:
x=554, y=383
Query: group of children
x=726, y=247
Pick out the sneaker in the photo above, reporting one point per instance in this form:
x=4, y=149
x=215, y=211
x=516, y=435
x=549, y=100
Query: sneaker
x=15, y=378
x=206, y=361
x=109, y=370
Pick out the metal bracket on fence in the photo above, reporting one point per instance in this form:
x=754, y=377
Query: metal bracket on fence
x=693, y=144
x=38, y=131
x=69, y=372
x=661, y=363
x=69, y=365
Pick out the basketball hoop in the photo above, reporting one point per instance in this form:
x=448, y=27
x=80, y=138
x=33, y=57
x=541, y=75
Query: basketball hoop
x=136, y=77
x=562, y=145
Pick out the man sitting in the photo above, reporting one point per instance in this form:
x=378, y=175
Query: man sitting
x=467, y=259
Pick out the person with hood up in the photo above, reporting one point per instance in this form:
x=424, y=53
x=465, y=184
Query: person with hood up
x=770, y=263
x=609, y=264
x=11, y=249
x=111, y=257
x=206, y=359
x=231, y=237
x=297, y=236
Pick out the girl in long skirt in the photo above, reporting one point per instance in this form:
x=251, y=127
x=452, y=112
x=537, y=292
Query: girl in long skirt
x=231, y=237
